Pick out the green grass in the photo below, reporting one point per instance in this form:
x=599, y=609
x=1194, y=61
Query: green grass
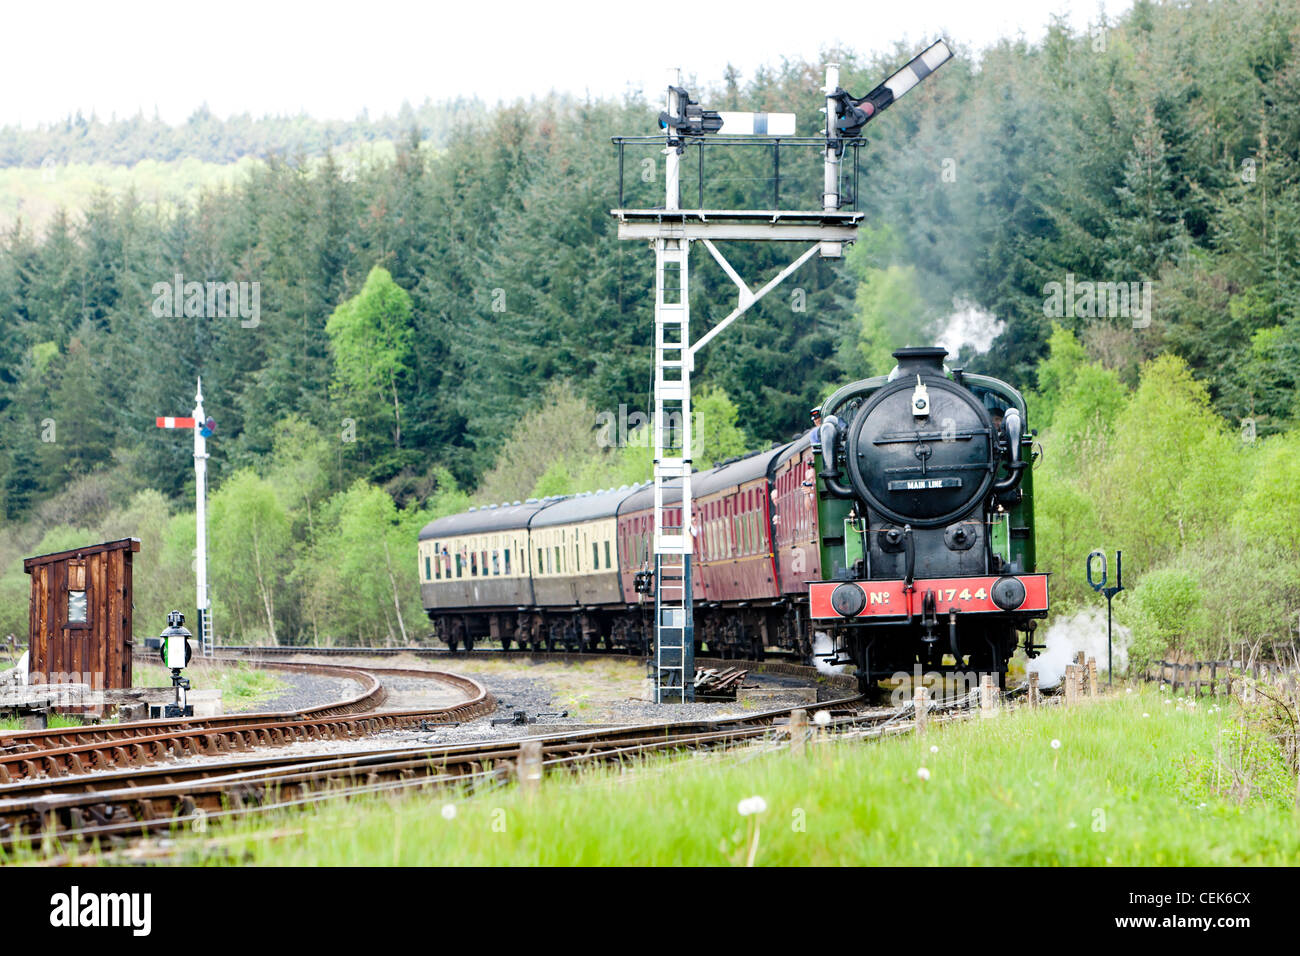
x=55, y=720
x=1124, y=788
x=247, y=688
x=242, y=687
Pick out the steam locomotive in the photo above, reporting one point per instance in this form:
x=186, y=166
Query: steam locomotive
x=901, y=527
x=929, y=543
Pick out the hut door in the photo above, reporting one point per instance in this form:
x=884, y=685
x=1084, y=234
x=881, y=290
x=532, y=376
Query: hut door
x=77, y=662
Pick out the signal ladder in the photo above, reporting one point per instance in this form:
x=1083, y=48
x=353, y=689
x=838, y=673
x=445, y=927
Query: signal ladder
x=206, y=645
x=674, y=619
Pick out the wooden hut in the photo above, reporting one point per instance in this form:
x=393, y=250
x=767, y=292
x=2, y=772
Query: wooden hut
x=80, y=616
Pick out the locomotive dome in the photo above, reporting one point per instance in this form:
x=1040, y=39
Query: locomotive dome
x=921, y=449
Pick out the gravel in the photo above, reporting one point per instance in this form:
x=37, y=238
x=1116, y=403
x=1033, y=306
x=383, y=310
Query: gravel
x=306, y=690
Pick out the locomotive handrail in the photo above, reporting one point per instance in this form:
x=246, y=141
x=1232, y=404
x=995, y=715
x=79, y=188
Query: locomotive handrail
x=852, y=390
x=1002, y=388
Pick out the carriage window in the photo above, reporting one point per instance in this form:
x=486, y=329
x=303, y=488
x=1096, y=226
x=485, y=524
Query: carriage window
x=595, y=556
x=507, y=554
x=473, y=564
x=608, y=564
x=496, y=561
x=428, y=568
x=539, y=560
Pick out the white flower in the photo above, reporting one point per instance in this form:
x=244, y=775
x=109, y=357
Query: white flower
x=934, y=748
x=923, y=773
x=822, y=718
x=449, y=811
x=1127, y=690
x=751, y=805
x=1056, y=744
x=1146, y=715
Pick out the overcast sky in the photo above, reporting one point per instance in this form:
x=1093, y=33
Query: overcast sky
x=332, y=60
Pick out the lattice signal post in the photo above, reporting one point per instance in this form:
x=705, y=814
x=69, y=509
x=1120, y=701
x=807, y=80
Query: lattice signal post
x=671, y=229
x=203, y=428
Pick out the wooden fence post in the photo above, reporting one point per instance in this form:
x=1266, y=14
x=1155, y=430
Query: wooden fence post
x=921, y=708
x=1033, y=688
x=1092, y=677
x=988, y=696
x=1071, y=684
x=530, y=766
x=798, y=731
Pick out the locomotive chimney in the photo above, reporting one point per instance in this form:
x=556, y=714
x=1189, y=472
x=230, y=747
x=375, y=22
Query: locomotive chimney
x=926, y=360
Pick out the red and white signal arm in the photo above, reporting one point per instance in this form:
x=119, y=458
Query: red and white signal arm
x=171, y=422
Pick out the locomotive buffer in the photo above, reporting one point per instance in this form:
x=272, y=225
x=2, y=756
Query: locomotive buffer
x=671, y=229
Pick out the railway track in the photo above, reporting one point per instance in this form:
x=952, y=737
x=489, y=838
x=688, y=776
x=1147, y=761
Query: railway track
x=773, y=664
x=74, y=751
x=271, y=651
x=120, y=805
x=138, y=801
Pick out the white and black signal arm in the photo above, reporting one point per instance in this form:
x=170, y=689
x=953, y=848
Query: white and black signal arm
x=694, y=120
x=853, y=112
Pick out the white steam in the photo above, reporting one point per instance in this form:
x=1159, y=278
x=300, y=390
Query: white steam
x=822, y=645
x=1083, y=631
x=968, y=324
